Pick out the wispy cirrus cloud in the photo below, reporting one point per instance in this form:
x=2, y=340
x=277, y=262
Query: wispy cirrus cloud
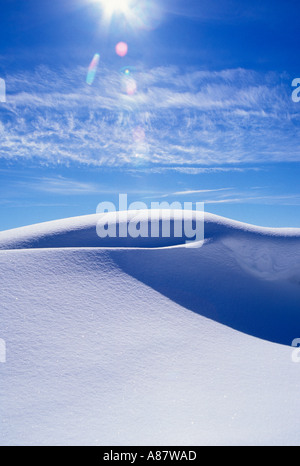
x=288, y=200
x=176, y=119
x=263, y=195
x=59, y=185
x=197, y=191
x=191, y=170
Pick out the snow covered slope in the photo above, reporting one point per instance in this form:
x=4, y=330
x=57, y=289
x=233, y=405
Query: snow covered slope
x=81, y=231
x=154, y=346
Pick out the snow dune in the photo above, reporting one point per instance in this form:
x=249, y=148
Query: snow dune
x=146, y=341
x=81, y=232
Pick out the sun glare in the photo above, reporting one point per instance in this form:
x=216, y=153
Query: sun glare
x=110, y=7
x=138, y=14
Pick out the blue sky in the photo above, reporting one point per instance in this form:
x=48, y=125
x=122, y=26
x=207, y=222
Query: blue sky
x=209, y=116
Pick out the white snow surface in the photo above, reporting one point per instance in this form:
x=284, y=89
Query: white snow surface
x=149, y=343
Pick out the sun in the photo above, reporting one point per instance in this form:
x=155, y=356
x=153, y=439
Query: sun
x=137, y=14
x=111, y=7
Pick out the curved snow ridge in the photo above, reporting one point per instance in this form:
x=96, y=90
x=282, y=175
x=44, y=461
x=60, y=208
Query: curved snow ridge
x=81, y=232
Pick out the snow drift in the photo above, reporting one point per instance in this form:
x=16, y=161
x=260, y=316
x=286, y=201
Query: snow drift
x=81, y=232
x=148, y=341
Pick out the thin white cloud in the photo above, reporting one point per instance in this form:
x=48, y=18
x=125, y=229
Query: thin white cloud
x=233, y=196
x=60, y=185
x=236, y=197
x=293, y=199
x=197, y=191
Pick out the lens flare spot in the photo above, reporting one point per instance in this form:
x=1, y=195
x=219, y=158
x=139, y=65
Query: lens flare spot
x=131, y=86
x=93, y=69
x=122, y=49
x=127, y=71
